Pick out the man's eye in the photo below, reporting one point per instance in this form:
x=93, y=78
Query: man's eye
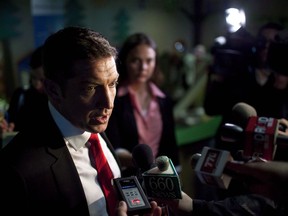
x=90, y=88
x=114, y=84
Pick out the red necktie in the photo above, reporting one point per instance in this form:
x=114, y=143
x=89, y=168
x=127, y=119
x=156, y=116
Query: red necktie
x=105, y=174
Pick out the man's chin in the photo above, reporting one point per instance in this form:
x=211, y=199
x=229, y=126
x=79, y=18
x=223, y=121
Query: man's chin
x=99, y=128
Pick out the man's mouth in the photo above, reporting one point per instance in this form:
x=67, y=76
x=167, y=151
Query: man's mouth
x=100, y=119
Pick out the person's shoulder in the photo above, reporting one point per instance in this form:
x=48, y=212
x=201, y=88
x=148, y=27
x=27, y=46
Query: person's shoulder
x=18, y=91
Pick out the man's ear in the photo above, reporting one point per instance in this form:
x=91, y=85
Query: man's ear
x=53, y=91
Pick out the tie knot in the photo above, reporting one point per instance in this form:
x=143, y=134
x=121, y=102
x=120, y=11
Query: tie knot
x=94, y=140
x=94, y=137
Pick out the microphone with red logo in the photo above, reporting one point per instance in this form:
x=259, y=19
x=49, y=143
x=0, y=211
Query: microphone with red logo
x=215, y=167
x=209, y=167
x=259, y=135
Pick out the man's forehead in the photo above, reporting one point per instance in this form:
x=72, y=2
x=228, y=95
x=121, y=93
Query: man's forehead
x=100, y=63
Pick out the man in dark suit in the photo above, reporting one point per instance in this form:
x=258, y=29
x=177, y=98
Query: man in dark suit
x=46, y=168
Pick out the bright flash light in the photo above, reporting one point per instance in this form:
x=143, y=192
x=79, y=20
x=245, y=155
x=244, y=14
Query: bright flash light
x=235, y=19
x=220, y=40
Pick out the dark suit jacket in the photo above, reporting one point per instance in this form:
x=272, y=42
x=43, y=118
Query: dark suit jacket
x=122, y=129
x=38, y=176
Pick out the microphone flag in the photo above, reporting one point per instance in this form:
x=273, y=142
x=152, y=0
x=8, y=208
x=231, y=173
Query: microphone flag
x=260, y=139
x=162, y=184
x=210, y=167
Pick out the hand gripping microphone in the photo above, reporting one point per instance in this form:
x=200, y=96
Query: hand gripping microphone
x=259, y=135
x=215, y=167
x=209, y=167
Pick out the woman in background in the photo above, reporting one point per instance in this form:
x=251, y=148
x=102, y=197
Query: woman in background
x=143, y=114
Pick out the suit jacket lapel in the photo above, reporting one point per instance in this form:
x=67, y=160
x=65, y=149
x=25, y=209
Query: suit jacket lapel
x=65, y=172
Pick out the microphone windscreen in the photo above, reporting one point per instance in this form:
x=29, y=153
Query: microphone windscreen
x=143, y=157
x=241, y=112
x=162, y=163
x=194, y=159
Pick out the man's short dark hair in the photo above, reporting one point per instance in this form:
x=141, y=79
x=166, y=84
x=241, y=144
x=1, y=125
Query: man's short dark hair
x=63, y=48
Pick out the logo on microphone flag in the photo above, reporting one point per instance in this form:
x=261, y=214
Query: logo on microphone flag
x=260, y=139
x=209, y=168
x=162, y=184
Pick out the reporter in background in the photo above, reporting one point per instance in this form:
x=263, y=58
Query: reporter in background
x=240, y=75
x=274, y=91
x=26, y=102
x=143, y=113
x=265, y=35
x=232, y=61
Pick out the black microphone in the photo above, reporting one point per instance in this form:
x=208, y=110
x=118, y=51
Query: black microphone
x=259, y=135
x=143, y=158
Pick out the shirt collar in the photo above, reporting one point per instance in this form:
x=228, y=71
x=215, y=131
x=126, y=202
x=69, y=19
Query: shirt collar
x=73, y=135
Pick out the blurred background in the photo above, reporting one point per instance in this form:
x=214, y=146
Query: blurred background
x=25, y=24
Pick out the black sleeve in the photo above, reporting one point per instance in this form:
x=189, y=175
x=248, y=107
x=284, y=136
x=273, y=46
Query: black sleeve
x=244, y=205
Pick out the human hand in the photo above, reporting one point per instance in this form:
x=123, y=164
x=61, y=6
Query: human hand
x=6, y=127
x=122, y=209
x=182, y=206
x=284, y=124
x=267, y=178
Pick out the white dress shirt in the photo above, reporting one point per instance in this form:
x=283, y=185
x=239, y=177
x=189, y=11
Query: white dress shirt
x=76, y=141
